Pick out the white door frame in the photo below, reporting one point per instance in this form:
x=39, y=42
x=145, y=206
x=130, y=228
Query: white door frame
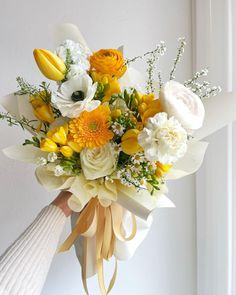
x=213, y=40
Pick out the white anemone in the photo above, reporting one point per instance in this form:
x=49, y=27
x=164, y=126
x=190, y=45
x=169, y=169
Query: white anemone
x=75, y=96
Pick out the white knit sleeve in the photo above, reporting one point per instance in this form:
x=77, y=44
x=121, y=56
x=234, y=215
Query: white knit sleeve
x=25, y=264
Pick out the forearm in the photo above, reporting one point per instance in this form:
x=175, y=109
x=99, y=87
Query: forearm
x=25, y=264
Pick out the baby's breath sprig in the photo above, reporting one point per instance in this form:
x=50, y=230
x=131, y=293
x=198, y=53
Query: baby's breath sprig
x=22, y=122
x=213, y=91
x=43, y=91
x=180, y=52
x=196, y=77
x=151, y=62
x=161, y=48
x=25, y=87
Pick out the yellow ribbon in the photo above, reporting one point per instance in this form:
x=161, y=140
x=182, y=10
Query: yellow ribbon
x=108, y=222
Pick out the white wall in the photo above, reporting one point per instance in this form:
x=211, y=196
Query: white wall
x=165, y=263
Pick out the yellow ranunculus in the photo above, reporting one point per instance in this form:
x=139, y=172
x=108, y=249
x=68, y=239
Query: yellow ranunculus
x=110, y=83
x=48, y=145
x=58, y=134
x=42, y=110
x=108, y=61
x=66, y=151
x=129, y=142
x=50, y=64
x=162, y=168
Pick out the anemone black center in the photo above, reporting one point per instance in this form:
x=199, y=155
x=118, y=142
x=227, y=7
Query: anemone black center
x=77, y=95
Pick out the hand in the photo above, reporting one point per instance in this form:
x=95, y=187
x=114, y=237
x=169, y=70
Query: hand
x=61, y=202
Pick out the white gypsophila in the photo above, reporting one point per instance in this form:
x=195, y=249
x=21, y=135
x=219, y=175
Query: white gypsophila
x=52, y=157
x=41, y=161
x=58, y=170
x=98, y=162
x=180, y=102
x=163, y=139
x=75, y=96
x=79, y=56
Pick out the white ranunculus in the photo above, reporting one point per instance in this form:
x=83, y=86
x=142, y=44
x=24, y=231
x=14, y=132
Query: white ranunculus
x=163, y=139
x=98, y=162
x=75, y=96
x=183, y=104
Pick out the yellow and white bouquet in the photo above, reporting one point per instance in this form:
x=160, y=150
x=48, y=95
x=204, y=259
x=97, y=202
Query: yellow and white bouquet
x=110, y=139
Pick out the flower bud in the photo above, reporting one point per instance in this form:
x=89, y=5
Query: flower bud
x=47, y=145
x=75, y=146
x=42, y=110
x=66, y=151
x=50, y=64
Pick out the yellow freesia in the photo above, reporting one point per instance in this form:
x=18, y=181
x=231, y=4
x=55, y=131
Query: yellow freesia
x=162, y=168
x=109, y=82
x=129, y=142
x=74, y=145
x=149, y=106
x=42, y=110
x=66, y=151
x=58, y=134
x=58, y=140
x=48, y=145
x=50, y=64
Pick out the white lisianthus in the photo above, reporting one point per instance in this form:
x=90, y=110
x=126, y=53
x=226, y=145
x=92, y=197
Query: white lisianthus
x=163, y=139
x=75, y=96
x=183, y=104
x=98, y=162
x=78, y=55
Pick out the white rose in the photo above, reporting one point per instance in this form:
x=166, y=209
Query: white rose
x=183, y=104
x=98, y=162
x=75, y=96
x=163, y=139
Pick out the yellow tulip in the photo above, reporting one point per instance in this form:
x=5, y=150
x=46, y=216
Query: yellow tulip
x=50, y=64
x=58, y=135
x=129, y=142
x=42, y=110
x=66, y=151
x=47, y=145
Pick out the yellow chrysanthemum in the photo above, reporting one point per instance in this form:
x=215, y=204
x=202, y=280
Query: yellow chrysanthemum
x=91, y=129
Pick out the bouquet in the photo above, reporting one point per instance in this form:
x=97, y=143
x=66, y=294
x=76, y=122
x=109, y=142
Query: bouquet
x=112, y=137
